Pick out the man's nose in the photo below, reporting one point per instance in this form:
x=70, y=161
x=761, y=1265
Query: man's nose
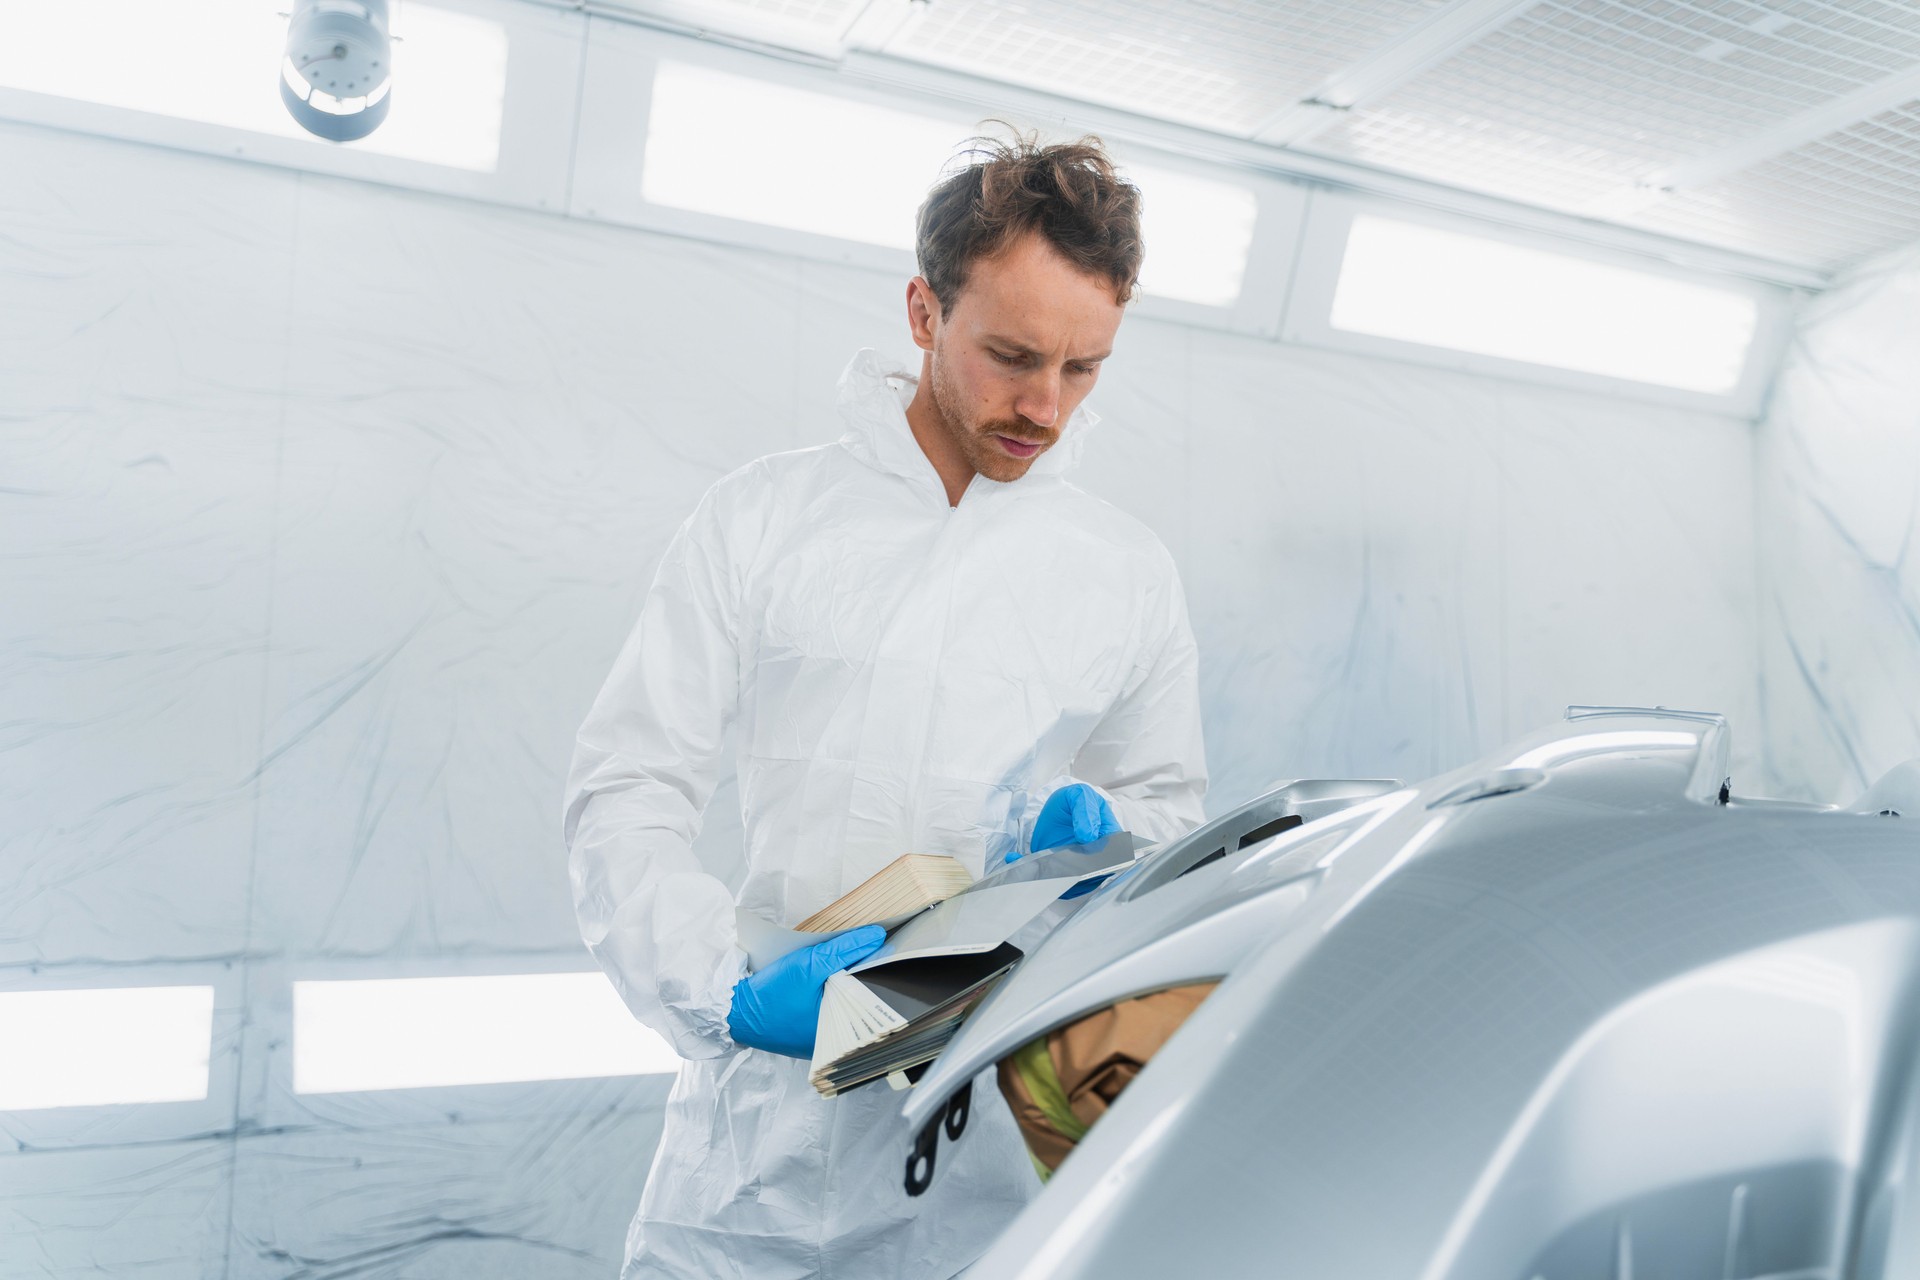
x=1039, y=401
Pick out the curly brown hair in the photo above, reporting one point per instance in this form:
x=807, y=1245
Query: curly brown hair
x=1068, y=192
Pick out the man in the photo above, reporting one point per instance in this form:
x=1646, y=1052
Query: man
x=925, y=640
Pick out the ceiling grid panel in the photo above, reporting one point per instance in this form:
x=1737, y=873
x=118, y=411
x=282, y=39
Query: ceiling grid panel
x=1388, y=67
x=1226, y=65
x=1780, y=128
x=1572, y=101
x=1844, y=198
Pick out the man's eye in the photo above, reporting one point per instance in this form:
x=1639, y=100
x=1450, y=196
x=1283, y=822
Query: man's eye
x=1084, y=370
x=1003, y=358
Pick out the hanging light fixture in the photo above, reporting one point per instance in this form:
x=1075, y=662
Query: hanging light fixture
x=337, y=76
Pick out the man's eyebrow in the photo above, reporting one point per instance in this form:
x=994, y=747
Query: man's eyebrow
x=1020, y=348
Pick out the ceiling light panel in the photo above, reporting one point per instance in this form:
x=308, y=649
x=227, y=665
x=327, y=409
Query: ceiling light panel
x=1197, y=231
x=833, y=16
x=1848, y=196
x=1572, y=101
x=788, y=165
x=204, y=61
x=1222, y=65
x=1436, y=288
x=819, y=13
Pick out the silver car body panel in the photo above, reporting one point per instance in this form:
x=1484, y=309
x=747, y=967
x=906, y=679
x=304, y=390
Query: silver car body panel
x=1573, y=1011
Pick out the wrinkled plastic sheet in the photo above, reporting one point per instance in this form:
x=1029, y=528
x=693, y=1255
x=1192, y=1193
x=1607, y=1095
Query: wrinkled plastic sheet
x=324, y=508
x=1839, y=499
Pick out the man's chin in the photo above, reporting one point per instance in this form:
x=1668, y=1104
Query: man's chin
x=998, y=466
x=996, y=462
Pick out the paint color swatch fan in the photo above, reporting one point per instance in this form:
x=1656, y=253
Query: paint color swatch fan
x=898, y=1008
x=904, y=887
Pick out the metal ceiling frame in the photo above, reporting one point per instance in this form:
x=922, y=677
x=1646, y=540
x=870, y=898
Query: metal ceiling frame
x=1426, y=45
x=863, y=63
x=959, y=90
x=1301, y=226
x=1830, y=117
x=593, y=88
x=880, y=22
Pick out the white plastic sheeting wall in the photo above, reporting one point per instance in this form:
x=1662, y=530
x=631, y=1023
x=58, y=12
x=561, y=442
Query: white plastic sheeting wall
x=324, y=507
x=1839, y=535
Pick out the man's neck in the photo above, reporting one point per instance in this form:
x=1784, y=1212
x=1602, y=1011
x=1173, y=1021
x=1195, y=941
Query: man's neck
x=930, y=431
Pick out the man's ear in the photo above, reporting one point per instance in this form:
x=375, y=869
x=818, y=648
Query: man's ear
x=923, y=312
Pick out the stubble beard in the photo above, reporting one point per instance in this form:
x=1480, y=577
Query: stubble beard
x=975, y=439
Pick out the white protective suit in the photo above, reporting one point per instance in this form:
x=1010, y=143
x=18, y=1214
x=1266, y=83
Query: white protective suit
x=900, y=676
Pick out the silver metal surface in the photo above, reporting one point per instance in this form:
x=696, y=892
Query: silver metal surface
x=1187, y=912
x=1614, y=1022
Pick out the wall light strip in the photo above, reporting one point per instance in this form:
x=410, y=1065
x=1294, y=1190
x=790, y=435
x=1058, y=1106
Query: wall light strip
x=746, y=148
x=1198, y=232
x=104, y=1046
x=1448, y=289
x=412, y=1033
x=755, y=150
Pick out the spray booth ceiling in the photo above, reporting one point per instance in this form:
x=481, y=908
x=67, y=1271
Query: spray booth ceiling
x=1789, y=129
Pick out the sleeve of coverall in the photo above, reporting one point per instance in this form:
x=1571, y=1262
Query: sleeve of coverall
x=644, y=767
x=1146, y=755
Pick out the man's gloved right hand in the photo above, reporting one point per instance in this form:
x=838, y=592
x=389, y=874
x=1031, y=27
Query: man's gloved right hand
x=778, y=1008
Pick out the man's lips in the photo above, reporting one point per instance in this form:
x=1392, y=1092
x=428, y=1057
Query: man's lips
x=1019, y=448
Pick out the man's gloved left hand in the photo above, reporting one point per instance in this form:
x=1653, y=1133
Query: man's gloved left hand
x=778, y=1008
x=1075, y=814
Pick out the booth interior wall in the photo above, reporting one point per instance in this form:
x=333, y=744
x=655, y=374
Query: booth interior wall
x=1839, y=540
x=327, y=506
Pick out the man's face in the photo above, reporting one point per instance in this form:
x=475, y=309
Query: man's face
x=1016, y=354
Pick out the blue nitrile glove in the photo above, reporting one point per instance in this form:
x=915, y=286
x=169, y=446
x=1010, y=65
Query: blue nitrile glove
x=778, y=1008
x=1075, y=814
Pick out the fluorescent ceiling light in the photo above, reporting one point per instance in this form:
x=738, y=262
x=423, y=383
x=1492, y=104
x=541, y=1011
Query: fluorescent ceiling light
x=744, y=148
x=1442, y=288
x=219, y=62
x=1197, y=233
x=412, y=1033
x=740, y=147
x=103, y=1046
